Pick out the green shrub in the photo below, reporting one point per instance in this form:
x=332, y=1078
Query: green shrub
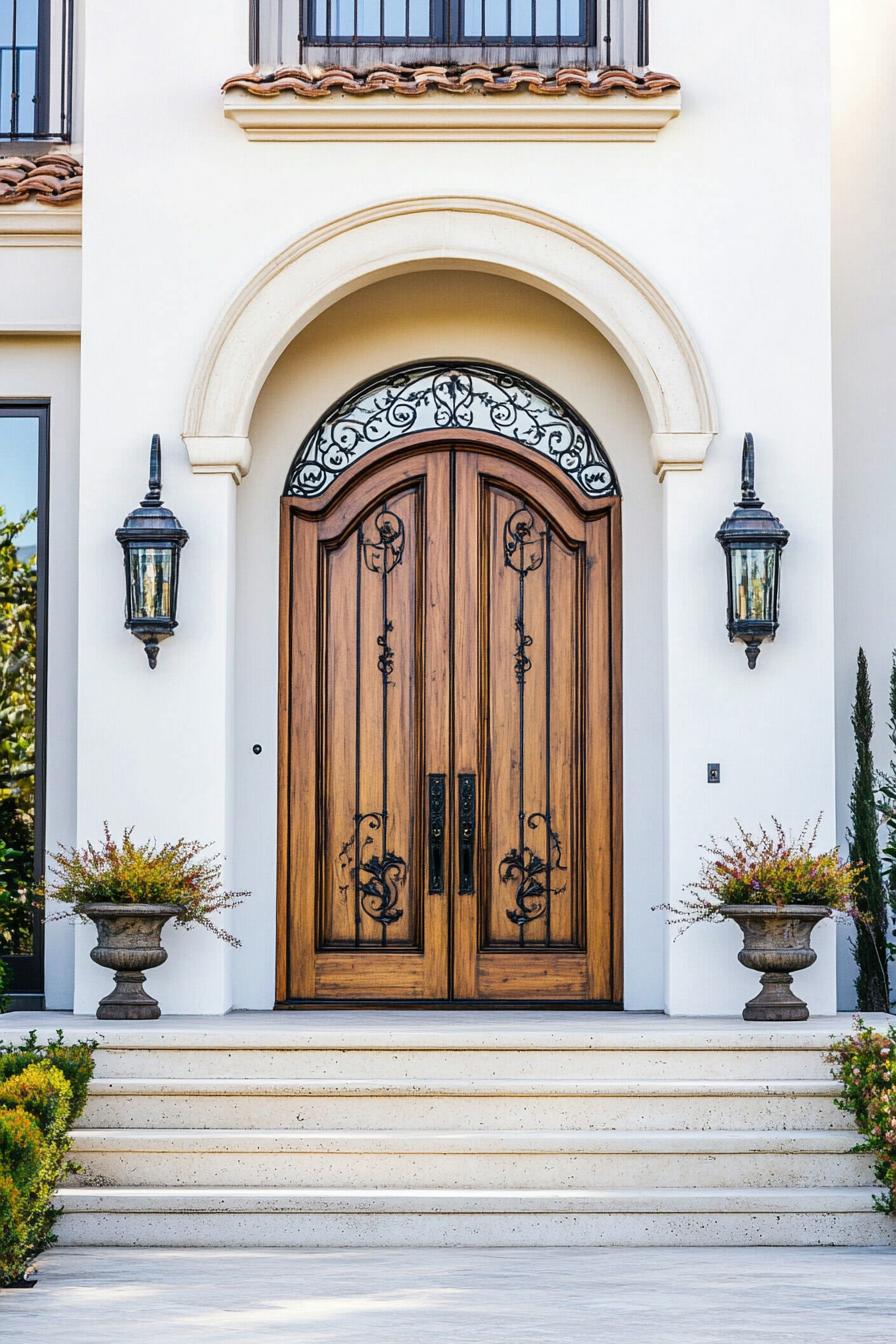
x=865, y=1063
x=43, y=1089
x=74, y=1061
x=20, y=1146
x=13, y=1258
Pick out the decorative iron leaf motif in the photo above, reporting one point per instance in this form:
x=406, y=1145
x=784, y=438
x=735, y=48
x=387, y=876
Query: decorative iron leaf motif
x=377, y=877
x=523, y=542
x=533, y=875
x=382, y=555
x=443, y=395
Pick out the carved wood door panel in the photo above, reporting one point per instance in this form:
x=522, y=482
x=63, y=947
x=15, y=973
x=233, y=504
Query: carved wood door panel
x=534, y=721
x=448, y=738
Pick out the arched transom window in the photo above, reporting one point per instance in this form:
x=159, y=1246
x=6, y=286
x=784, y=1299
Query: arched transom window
x=445, y=395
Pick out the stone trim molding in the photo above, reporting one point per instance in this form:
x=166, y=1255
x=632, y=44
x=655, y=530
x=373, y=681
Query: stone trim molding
x=499, y=237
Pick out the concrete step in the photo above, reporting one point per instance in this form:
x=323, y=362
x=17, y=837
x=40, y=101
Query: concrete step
x=168, y=1216
x=653, y=1063
x=461, y=1103
x=452, y=1160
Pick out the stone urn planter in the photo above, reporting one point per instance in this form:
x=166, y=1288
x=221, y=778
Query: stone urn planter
x=776, y=942
x=129, y=943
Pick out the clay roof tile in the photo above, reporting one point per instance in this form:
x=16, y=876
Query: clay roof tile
x=310, y=81
x=53, y=179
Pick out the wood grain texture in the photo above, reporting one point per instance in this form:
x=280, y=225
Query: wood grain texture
x=503, y=669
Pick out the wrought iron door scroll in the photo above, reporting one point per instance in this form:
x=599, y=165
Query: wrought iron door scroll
x=526, y=549
x=377, y=877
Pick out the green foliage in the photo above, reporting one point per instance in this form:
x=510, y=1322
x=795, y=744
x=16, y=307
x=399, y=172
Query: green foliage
x=20, y=1146
x=886, y=800
x=871, y=924
x=43, y=1089
x=768, y=868
x=4, y=1001
x=13, y=1256
x=865, y=1063
x=74, y=1062
x=180, y=872
x=18, y=681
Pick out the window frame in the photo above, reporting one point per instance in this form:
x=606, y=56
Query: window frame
x=446, y=34
x=26, y=970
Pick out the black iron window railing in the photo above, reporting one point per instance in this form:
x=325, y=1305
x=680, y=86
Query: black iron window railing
x=36, y=52
x=543, y=32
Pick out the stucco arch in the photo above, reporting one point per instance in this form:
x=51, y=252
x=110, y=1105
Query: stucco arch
x=506, y=239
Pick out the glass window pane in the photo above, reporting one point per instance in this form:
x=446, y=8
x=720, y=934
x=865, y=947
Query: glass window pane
x=19, y=459
x=150, y=568
x=393, y=18
x=5, y=90
x=472, y=24
x=753, y=575
x=420, y=20
x=521, y=19
x=546, y=18
x=368, y=18
x=496, y=18
x=342, y=18
x=571, y=21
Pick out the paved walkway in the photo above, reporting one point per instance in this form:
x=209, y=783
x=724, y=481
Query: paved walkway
x=653, y=1296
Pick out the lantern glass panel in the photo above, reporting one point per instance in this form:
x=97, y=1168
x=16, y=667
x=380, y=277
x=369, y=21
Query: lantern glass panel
x=753, y=582
x=150, y=574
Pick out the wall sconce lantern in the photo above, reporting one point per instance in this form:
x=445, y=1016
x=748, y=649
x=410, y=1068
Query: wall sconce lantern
x=752, y=539
x=152, y=539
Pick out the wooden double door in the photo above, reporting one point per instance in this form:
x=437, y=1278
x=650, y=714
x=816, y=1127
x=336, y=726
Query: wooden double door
x=449, y=735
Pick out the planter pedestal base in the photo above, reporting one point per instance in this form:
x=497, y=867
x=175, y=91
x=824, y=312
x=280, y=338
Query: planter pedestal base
x=776, y=1001
x=129, y=943
x=776, y=942
x=129, y=1001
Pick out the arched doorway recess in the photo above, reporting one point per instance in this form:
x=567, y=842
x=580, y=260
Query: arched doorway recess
x=450, y=699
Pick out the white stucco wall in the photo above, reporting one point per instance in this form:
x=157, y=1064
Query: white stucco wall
x=728, y=212
x=864, y=342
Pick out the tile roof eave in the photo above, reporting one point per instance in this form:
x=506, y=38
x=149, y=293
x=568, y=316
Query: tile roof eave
x=308, y=81
x=50, y=179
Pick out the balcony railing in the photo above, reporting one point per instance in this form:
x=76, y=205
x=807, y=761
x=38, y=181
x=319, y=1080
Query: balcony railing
x=36, y=53
x=544, y=33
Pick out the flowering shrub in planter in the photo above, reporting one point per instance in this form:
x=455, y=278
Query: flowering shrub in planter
x=776, y=888
x=768, y=868
x=43, y=1089
x=130, y=891
x=865, y=1063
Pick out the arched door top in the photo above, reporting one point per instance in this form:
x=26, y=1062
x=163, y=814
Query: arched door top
x=497, y=237
x=443, y=395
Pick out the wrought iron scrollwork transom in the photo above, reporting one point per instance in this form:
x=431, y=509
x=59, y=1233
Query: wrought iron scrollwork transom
x=445, y=395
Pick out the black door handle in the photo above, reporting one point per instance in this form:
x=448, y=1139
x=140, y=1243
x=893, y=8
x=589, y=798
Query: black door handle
x=436, y=834
x=466, y=830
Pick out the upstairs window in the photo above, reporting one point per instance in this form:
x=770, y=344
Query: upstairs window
x=361, y=33
x=415, y=23
x=36, y=49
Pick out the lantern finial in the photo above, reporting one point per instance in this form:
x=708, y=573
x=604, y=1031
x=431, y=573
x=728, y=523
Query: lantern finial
x=747, y=471
x=153, y=496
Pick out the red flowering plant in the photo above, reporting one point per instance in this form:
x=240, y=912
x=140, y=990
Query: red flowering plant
x=865, y=1063
x=771, y=867
x=179, y=872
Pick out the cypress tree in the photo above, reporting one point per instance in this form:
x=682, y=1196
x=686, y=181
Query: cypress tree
x=887, y=805
x=870, y=946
